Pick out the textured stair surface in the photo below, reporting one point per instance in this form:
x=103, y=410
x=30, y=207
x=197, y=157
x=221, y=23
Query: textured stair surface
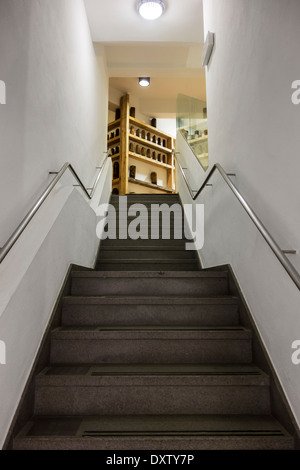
x=151, y=355
x=152, y=283
x=154, y=432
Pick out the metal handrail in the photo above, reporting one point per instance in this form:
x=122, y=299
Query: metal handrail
x=288, y=266
x=21, y=227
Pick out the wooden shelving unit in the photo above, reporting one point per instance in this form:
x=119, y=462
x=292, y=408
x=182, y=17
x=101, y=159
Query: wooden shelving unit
x=134, y=143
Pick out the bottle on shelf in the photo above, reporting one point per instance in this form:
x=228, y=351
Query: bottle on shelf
x=137, y=149
x=154, y=155
x=158, y=141
x=143, y=134
x=118, y=114
x=154, y=139
x=143, y=151
x=149, y=136
x=117, y=132
x=132, y=131
x=132, y=171
x=148, y=153
x=154, y=177
x=164, y=143
x=153, y=122
x=116, y=170
x=132, y=112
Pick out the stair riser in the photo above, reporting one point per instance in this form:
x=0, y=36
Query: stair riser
x=190, y=315
x=147, y=265
x=150, y=285
x=140, y=243
x=145, y=198
x=118, y=400
x=190, y=443
x=168, y=234
x=146, y=254
x=149, y=351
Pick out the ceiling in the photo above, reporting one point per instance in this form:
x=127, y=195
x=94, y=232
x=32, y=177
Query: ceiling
x=167, y=50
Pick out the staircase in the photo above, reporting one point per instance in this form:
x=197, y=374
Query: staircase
x=150, y=354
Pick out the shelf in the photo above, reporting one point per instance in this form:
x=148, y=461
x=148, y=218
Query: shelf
x=147, y=143
x=115, y=140
x=150, y=161
x=147, y=127
x=138, y=150
x=116, y=156
x=114, y=124
x=150, y=185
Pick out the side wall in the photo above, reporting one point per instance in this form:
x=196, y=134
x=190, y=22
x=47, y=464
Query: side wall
x=253, y=124
x=253, y=132
x=56, y=111
x=56, y=101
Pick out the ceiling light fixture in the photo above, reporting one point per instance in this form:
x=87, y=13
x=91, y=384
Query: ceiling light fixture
x=151, y=9
x=144, y=81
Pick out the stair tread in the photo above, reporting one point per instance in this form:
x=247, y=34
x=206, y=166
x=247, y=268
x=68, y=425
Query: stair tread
x=132, y=299
x=161, y=425
x=153, y=374
x=150, y=274
x=141, y=248
x=147, y=260
x=152, y=369
x=84, y=332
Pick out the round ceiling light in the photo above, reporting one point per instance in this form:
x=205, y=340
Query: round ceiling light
x=144, y=81
x=151, y=9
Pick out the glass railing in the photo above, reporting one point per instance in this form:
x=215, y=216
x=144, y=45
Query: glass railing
x=191, y=121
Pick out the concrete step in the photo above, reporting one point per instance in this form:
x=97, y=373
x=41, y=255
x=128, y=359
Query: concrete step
x=159, y=283
x=145, y=243
x=176, y=344
x=152, y=389
x=147, y=264
x=165, y=432
x=150, y=252
x=137, y=310
x=141, y=198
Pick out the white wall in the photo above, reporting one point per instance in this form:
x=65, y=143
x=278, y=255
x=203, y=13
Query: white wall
x=63, y=232
x=168, y=126
x=56, y=106
x=56, y=111
x=253, y=125
x=254, y=132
